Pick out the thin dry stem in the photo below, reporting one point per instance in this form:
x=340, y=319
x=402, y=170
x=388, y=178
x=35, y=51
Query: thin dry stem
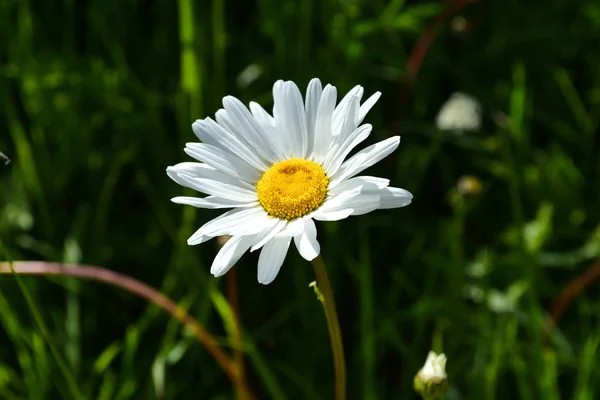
x=140, y=289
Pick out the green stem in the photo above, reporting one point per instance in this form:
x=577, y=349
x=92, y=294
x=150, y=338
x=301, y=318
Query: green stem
x=333, y=325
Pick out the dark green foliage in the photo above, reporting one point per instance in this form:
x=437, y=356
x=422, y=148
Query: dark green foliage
x=97, y=98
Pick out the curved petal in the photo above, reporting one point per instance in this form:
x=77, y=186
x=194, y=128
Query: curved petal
x=393, y=197
x=270, y=234
x=335, y=215
x=334, y=208
x=365, y=183
x=311, y=106
x=290, y=119
x=239, y=221
x=307, y=243
x=198, y=237
x=212, y=202
x=349, y=202
x=349, y=124
x=271, y=258
x=202, y=133
x=293, y=228
x=336, y=156
x=223, y=161
x=230, y=253
x=201, y=170
x=341, y=111
x=366, y=106
x=244, y=150
x=323, y=134
x=364, y=159
x=267, y=123
x=220, y=189
x=364, y=204
x=248, y=129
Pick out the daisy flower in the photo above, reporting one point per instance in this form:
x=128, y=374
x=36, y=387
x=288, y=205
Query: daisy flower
x=278, y=173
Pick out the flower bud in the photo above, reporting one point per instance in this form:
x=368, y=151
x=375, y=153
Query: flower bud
x=431, y=382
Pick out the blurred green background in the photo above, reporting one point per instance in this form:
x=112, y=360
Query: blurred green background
x=97, y=98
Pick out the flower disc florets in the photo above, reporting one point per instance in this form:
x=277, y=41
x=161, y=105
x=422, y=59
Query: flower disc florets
x=292, y=188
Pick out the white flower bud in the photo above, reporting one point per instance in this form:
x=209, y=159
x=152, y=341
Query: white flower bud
x=431, y=382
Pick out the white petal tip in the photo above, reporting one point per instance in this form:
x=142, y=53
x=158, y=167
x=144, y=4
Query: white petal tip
x=312, y=257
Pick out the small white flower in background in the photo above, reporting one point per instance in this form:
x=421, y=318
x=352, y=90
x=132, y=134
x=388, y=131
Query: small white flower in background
x=279, y=173
x=248, y=75
x=459, y=113
x=431, y=382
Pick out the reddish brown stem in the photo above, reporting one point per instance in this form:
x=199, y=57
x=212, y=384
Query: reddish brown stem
x=426, y=39
x=572, y=290
x=140, y=289
x=421, y=48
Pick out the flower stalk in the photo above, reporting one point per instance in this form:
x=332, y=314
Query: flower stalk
x=333, y=325
x=142, y=290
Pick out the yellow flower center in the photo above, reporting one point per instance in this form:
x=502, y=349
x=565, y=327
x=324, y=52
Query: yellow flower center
x=292, y=188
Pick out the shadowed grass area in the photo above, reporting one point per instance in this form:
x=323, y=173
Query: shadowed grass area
x=97, y=98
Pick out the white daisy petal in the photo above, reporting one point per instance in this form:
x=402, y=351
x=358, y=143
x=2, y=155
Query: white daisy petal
x=339, y=153
x=293, y=228
x=307, y=243
x=270, y=234
x=337, y=202
x=202, y=133
x=311, y=105
x=349, y=202
x=223, y=161
x=263, y=118
x=249, y=129
x=340, y=137
x=323, y=123
x=245, y=221
x=352, y=199
x=335, y=215
x=230, y=253
x=200, y=170
x=225, y=120
x=283, y=136
x=366, y=106
x=267, y=123
x=212, y=202
x=220, y=189
x=290, y=118
x=364, y=159
x=233, y=145
x=392, y=197
x=271, y=258
x=198, y=237
x=365, y=183
x=364, y=204
x=349, y=124
x=335, y=207
x=341, y=111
